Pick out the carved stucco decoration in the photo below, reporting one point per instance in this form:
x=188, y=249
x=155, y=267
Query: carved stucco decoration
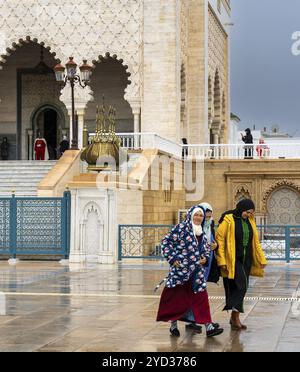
x=92, y=229
x=217, y=49
x=284, y=207
x=38, y=90
x=242, y=192
x=82, y=28
x=276, y=185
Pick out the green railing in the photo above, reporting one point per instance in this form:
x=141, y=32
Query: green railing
x=35, y=226
x=280, y=243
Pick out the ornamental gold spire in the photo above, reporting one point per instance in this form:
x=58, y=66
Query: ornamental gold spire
x=105, y=143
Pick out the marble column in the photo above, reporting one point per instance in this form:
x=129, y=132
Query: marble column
x=80, y=115
x=71, y=127
x=136, y=110
x=82, y=97
x=216, y=139
x=30, y=144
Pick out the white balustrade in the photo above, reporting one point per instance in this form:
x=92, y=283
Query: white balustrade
x=237, y=151
x=140, y=141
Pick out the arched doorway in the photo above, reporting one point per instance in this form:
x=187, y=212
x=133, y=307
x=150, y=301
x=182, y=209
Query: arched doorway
x=283, y=207
x=27, y=82
x=47, y=125
x=49, y=121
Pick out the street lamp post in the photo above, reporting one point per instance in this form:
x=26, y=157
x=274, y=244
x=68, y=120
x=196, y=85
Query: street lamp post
x=72, y=77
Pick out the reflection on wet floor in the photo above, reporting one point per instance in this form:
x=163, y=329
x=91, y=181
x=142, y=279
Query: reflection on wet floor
x=48, y=307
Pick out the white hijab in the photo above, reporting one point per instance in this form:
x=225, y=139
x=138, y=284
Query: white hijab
x=197, y=229
x=207, y=225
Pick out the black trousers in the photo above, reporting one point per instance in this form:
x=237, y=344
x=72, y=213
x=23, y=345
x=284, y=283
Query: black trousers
x=236, y=289
x=249, y=151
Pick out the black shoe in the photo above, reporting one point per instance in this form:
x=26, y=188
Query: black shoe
x=216, y=325
x=214, y=332
x=194, y=327
x=175, y=332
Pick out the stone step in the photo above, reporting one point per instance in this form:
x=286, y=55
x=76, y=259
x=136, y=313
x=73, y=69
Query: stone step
x=20, y=180
x=24, y=170
x=24, y=173
x=29, y=168
x=28, y=171
x=22, y=176
x=20, y=165
x=36, y=167
x=17, y=185
x=10, y=186
x=16, y=169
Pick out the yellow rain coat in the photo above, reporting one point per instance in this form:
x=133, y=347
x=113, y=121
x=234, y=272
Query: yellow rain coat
x=226, y=252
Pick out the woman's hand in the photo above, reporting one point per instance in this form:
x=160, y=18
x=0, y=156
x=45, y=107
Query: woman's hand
x=203, y=260
x=214, y=246
x=263, y=266
x=176, y=264
x=224, y=268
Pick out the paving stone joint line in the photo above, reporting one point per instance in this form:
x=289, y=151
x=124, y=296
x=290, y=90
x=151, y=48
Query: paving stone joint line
x=256, y=298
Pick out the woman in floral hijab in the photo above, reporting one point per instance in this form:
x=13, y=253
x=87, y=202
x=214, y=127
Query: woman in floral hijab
x=185, y=296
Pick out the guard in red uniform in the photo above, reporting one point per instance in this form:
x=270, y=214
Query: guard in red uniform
x=40, y=147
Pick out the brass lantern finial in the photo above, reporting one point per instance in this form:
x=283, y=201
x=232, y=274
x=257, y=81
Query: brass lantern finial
x=105, y=143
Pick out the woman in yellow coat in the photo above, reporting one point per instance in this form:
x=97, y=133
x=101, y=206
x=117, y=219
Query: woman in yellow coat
x=239, y=255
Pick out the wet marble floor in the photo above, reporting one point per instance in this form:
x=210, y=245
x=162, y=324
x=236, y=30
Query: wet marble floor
x=48, y=307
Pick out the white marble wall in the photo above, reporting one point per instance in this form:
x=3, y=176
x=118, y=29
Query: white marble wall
x=152, y=37
x=161, y=84
x=82, y=28
x=94, y=227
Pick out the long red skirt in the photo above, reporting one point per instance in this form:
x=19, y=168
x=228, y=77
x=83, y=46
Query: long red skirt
x=176, y=302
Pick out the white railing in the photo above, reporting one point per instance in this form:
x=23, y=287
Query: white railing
x=141, y=141
x=232, y=151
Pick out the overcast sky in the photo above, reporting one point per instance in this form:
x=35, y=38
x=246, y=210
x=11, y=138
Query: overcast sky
x=265, y=75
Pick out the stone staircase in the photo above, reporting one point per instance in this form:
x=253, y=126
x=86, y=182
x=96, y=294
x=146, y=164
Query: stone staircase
x=22, y=176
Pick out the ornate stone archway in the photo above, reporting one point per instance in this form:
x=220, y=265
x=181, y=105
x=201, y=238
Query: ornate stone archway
x=19, y=44
x=27, y=81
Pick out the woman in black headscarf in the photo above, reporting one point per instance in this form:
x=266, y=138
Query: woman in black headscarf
x=248, y=140
x=239, y=255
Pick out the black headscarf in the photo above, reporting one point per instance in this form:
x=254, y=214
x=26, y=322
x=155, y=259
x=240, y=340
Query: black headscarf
x=243, y=206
